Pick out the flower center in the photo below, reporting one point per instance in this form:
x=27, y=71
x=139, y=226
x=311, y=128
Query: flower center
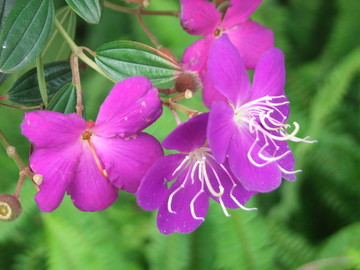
x=86, y=136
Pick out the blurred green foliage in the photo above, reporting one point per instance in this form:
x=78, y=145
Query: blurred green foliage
x=313, y=223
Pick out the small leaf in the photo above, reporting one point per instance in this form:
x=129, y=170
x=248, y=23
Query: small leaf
x=5, y=7
x=123, y=59
x=25, y=33
x=3, y=77
x=57, y=49
x=26, y=91
x=89, y=10
x=64, y=100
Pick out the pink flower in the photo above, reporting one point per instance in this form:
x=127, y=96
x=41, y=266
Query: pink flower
x=249, y=128
x=92, y=160
x=200, y=17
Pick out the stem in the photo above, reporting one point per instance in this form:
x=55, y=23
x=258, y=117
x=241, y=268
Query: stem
x=23, y=108
x=19, y=185
x=41, y=80
x=11, y=151
x=74, y=61
x=78, y=51
x=147, y=31
x=142, y=12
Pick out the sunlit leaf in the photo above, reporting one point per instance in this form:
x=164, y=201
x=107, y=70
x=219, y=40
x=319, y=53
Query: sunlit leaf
x=123, y=59
x=89, y=10
x=26, y=91
x=25, y=33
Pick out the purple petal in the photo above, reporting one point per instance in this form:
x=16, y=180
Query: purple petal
x=238, y=12
x=127, y=160
x=153, y=188
x=90, y=190
x=132, y=105
x=253, y=178
x=57, y=166
x=188, y=136
x=47, y=129
x=227, y=71
x=196, y=55
x=234, y=193
x=199, y=17
x=210, y=94
x=175, y=213
x=220, y=129
x=269, y=76
x=251, y=40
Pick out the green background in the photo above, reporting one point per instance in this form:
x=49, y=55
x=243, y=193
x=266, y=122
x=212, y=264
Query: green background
x=314, y=221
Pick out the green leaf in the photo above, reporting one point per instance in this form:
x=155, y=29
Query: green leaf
x=5, y=7
x=89, y=10
x=26, y=91
x=123, y=59
x=64, y=100
x=25, y=33
x=57, y=49
x=41, y=80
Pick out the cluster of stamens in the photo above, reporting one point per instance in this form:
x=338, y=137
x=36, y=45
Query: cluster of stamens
x=197, y=165
x=261, y=116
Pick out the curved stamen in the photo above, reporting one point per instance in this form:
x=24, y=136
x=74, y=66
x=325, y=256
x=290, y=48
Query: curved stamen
x=232, y=189
x=288, y=172
x=180, y=166
x=207, y=181
x=176, y=191
x=96, y=157
x=192, y=203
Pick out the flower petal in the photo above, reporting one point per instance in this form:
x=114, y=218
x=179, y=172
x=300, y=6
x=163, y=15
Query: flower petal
x=253, y=178
x=90, y=190
x=238, y=12
x=220, y=129
x=153, y=188
x=199, y=17
x=127, y=160
x=209, y=93
x=251, y=40
x=175, y=214
x=47, y=129
x=235, y=195
x=196, y=55
x=227, y=71
x=132, y=105
x=269, y=76
x=57, y=167
x=188, y=136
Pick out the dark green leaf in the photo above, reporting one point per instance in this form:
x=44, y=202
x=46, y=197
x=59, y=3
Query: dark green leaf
x=89, y=10
x=5, y=7
x=123, y=59
x=25, y=33
x=64, y=100
x=26, y=91
x=57, y=49
x=3, y=77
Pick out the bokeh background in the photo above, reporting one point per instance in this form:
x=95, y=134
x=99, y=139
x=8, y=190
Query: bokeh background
x=310, y=224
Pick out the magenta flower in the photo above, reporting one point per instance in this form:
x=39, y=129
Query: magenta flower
x=183, y=205
x=249, y=128
x=91, y=160
x=200, y=17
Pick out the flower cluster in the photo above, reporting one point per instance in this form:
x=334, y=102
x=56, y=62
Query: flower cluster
x=237, y=149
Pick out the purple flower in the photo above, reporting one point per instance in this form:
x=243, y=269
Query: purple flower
x=249, y=128
x=200, y=17
x=91, y=160
x=183, y=205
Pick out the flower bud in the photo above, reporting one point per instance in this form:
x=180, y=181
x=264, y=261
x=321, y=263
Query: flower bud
x=10, y=207
x=187, y=81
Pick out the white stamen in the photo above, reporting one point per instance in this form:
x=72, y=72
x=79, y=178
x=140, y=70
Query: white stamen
x=180, y=166
x=288, y=172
